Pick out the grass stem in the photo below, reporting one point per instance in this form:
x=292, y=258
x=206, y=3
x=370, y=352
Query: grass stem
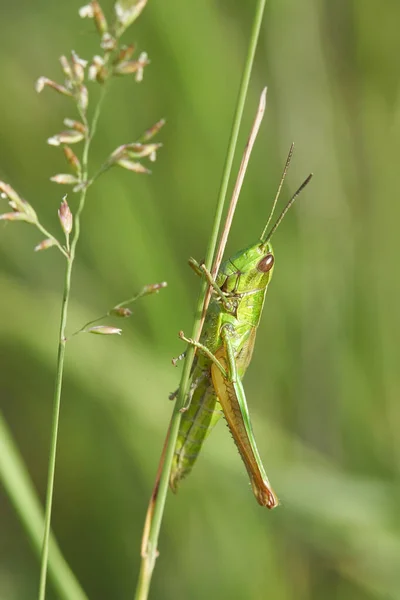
x=157, y=502
x=61, y=349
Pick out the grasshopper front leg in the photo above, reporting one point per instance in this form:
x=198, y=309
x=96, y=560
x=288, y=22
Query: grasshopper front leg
x=201, y=270
x=232, y=398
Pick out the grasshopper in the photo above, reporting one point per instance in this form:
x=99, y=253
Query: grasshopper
x=224, y=352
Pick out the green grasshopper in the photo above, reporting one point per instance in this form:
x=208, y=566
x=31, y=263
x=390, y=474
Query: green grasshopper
x=223, y=355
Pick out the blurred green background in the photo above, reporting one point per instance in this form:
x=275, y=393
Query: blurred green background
x=323, y=386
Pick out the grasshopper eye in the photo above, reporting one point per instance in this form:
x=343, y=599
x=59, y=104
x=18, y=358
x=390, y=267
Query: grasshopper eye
x=266, y=263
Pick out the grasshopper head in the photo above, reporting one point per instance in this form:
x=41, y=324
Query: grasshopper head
x=249, y=270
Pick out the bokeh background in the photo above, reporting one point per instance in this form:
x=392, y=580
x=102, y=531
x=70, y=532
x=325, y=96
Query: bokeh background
x=323, y=386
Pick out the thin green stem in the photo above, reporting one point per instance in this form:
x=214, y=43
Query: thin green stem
x=61, y=350
x=51, y=237
x=157, y=505
x=140, y=294
x=102, y=170
x=88, y=324
x=54, y=434
x=143, y=292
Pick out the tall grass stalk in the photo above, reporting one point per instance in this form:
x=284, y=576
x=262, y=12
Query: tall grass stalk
x=157, y=502
x=90, y=132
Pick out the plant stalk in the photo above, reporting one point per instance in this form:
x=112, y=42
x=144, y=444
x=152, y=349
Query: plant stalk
x=61, y=350
x=158, y=499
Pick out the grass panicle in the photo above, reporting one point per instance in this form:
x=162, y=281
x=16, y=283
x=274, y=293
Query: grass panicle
x=80, y=78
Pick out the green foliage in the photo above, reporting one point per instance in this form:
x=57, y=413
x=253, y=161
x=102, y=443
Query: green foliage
x=323, y=385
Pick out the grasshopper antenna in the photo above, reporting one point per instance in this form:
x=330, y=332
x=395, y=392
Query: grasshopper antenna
x=288, y=205
x=285, y=170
